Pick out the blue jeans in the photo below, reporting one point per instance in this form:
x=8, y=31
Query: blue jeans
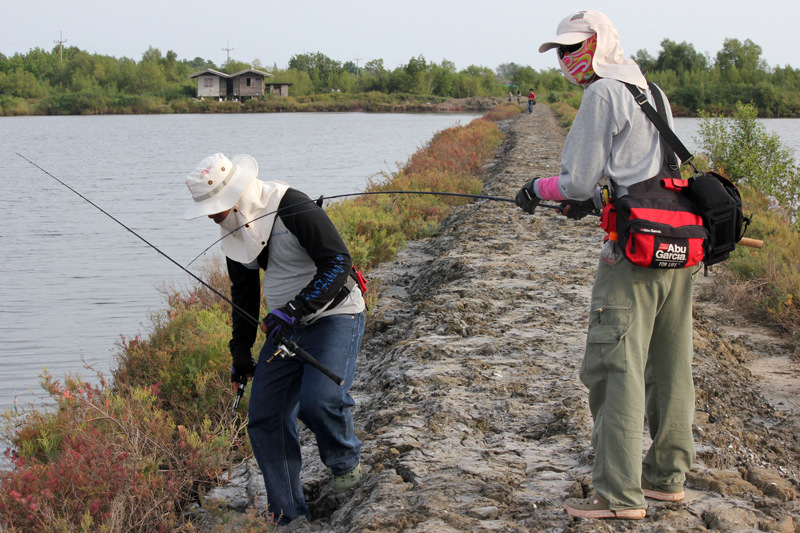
x=285, y=390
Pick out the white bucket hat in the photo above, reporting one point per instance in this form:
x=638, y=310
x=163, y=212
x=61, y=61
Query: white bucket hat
x=216, y=183
x=608, y=61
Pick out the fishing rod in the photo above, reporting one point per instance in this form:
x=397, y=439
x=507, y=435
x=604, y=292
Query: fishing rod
x=319, y=201
x=287, y=350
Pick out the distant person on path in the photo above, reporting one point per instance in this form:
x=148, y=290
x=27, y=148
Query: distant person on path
x=519, y=97
x=531, y=100
x=267, y=225
x=638, y=359
x=510, y=96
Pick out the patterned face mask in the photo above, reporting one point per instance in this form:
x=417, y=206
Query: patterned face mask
x=577, y=64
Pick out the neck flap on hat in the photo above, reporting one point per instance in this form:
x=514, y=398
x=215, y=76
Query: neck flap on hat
x=246, y=230
x=609, y=61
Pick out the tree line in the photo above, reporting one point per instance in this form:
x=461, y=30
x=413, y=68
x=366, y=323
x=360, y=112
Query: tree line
x=73, y=81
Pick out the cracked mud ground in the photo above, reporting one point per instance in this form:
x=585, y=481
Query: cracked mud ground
x=470, y=407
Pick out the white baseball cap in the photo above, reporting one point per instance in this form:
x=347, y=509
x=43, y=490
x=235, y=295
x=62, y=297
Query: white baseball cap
x=574, y=29
x=216, y=183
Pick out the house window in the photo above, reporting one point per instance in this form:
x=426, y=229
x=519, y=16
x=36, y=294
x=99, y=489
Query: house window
x=208, y=83
x=249, y=82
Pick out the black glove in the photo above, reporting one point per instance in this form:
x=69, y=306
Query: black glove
x=278, y=321
x=527, y=199
x=241, y=369
x=577, y=210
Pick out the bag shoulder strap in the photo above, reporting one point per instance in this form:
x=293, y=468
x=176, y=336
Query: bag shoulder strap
x=658, y=121
x=670, y=159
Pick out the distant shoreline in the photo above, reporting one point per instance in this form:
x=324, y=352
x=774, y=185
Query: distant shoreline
x=336, y=103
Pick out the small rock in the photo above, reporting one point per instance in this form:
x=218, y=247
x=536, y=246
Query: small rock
x=771, y=484
x=730, y=519
x=484, y=513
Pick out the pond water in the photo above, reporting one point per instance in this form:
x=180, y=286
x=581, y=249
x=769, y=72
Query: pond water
x=72, y=280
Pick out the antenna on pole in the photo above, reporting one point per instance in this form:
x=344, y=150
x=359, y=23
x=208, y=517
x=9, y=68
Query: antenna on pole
x=228, y=49
x=357, y=59
x=60, y=42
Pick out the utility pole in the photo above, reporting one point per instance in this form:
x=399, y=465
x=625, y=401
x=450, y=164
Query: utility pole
x=228, y=50
x=357, y=59
x=60, y=42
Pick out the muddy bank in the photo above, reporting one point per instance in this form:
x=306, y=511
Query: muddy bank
x=469, y=404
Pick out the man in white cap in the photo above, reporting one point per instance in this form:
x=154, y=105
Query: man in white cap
x=638, y=355
x=266, y=225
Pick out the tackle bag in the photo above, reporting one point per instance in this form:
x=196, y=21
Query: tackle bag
x=720, y=203
x=715, y=197
x=657, y=226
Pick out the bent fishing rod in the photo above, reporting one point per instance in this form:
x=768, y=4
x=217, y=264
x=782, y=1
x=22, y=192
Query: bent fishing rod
x=286, y=348
x=321, y=199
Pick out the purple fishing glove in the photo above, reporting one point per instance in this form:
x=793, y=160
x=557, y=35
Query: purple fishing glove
x=278, y=321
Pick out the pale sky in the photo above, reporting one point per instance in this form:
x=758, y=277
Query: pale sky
x=466, y=32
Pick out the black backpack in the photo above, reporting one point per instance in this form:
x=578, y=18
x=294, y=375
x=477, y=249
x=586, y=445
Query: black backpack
x=720, y=205
x=716, y=198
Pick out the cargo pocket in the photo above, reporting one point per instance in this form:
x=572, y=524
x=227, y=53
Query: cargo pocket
x=606, y=340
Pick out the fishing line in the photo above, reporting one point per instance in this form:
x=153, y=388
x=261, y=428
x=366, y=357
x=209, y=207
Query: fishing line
x=241, y=311
x=369, y=193
x=292, y=350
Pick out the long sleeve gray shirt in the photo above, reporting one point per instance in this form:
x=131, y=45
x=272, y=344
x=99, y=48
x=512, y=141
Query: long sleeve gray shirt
x=610, y=137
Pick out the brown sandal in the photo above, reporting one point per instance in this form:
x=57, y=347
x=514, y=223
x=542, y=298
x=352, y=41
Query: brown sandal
x=598, y=507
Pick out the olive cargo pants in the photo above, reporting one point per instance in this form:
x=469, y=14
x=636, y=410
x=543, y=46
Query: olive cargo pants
x=638, y=363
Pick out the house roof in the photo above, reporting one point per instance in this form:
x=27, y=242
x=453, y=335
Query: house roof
x=209, y=71
x=254, y=71
x=234, y=75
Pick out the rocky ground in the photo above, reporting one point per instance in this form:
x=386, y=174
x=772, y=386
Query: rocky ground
x=470, y=407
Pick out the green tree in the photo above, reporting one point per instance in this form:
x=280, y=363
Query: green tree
x=443, y=78
x=415, y=79
x=152, y=54
x=343, y=81
x=741, y=61
x=318, y=66
x=741, y=148
x=525, y=78
x=301, y=81
x=21, y=84
x=507, y=71
x=679, y=57
x=151, y=78
x=350, y=67
x=745, y=56
x=553, y=80
x=485, y=81
x=374, y=76
x=231, y=66
x=40, y=62
x=646, y=62
x=198, y=64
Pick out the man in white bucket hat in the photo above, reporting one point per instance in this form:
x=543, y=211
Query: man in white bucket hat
x=267, y=225
x=638, y=355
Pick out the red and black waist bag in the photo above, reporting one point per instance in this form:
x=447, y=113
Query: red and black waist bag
x=657, y=224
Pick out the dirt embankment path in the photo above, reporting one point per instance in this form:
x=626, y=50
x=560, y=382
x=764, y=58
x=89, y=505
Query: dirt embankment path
x=470, y=407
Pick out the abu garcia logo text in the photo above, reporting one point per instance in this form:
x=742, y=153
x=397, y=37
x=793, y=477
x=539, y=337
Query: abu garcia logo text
x=671, y=252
